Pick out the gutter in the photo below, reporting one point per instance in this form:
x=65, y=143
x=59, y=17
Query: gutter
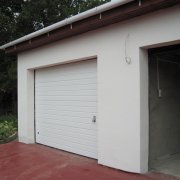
x=71, y=20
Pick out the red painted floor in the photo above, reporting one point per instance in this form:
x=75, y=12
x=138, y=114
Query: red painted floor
x=19, y=161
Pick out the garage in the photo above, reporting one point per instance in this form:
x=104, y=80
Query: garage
x=66, y=107
x=83, y=84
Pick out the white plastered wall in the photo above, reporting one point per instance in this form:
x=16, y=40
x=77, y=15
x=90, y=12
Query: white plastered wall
x=122, y=88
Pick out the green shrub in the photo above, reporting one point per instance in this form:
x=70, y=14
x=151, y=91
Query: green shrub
x=8, y=126
x=8, y=118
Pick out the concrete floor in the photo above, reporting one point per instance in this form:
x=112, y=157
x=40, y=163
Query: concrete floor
x=19, y=161
x=169, y=165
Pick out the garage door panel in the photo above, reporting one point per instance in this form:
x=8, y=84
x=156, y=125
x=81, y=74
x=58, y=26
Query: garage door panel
x=66, y=125
x=82, y=142
x=57, y=118
x=69, y=124
x=79, y=81
x=53, y=127
x=69, y=137
x=70, y=147
x=65, y=103
x=75, y=80
x=69, y=108
x=67, y=71
x=68, y=88
x=68, y=131
x=67, y=113
x=66, y=93
x=66, y=98
x=69, y=143
x=51, y=116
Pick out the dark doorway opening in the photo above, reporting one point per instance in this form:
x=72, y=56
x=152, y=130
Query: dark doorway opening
x=164, y=110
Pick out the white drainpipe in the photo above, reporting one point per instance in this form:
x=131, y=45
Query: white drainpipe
x=78, y=17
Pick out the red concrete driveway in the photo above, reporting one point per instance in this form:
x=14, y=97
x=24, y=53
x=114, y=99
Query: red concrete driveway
x=19, y=161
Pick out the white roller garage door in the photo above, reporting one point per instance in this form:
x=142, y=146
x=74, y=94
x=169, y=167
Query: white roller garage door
x=65, y=107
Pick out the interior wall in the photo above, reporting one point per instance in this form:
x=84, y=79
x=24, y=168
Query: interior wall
x=164, y=111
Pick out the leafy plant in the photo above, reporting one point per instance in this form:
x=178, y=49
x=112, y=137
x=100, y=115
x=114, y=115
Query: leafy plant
x=8, y=127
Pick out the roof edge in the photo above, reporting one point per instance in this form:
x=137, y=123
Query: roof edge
x=78, y=17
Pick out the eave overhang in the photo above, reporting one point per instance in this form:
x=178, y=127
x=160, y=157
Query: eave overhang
x=124, y=12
